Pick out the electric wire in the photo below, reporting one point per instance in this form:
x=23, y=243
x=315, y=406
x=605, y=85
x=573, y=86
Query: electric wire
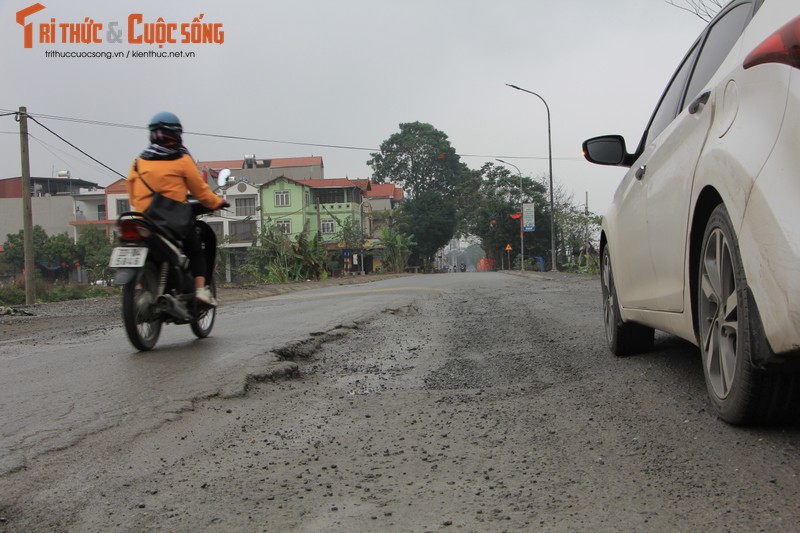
x=274, y=141
x=78, y=149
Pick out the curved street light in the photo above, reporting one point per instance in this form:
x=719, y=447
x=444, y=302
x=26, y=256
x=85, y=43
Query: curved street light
x=522, y=218
x=550, y=159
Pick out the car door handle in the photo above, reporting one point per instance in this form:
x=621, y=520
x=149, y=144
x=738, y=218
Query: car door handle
x=640, y=172
x=699, y=102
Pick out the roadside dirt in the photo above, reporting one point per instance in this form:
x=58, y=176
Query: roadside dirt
x=486, y=410
x=80, y=317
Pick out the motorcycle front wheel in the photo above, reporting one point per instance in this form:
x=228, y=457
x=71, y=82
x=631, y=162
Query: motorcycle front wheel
x=142, y=325
x=202, y=325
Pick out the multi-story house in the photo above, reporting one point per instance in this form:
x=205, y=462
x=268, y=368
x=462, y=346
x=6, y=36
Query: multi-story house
x=57, y=204
x=260, y=171
x=289, y=195
x=294, y=197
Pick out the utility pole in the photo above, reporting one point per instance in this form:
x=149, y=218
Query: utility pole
x=586, y=214
x=27, y=215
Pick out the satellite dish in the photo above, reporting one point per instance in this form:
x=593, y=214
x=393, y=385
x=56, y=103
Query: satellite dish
x=223, y=177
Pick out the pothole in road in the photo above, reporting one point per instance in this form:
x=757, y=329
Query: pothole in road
x=305, y=349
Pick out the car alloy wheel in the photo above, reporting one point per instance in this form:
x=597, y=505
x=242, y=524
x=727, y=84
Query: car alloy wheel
x=624, y=338
x=719, y=312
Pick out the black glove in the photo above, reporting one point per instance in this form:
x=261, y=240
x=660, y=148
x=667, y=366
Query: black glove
x=224, y=204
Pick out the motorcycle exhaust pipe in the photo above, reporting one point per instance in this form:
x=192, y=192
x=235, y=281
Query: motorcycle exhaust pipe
x=167, y=303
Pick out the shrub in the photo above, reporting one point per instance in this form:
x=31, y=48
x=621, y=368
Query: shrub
x=12, y=294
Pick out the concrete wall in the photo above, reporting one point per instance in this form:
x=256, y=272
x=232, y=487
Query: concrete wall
x=52, y=213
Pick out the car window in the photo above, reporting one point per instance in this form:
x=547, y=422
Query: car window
x=668, y=107
x=721, y=38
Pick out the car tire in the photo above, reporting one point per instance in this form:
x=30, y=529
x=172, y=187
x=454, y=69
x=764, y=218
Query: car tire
x=624, y=338
x=730, y=335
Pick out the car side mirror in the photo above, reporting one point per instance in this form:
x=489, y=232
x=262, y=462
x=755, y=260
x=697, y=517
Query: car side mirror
x=606, y=150
x=223, y=177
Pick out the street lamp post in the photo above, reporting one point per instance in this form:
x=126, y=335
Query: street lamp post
x=521, y=219
x=550, y=159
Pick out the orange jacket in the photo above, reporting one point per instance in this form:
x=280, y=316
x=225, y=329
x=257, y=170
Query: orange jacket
x=171, y=179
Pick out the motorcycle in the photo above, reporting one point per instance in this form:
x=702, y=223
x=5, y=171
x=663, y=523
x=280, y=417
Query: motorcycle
x=157, y=285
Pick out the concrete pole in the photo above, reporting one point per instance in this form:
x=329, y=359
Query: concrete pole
x=27, y=213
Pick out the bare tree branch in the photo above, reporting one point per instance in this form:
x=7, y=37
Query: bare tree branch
x=704, y=9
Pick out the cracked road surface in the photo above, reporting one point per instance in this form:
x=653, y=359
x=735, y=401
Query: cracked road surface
x=452, y=402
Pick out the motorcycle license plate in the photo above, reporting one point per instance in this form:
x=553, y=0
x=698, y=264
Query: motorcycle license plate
x=128, y=257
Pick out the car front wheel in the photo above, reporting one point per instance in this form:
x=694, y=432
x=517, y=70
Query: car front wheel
x=624, y=338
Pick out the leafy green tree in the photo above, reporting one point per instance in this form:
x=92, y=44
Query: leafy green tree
x=309, y=257
x=421, y=160
x=14, y=247
x=60, y=249
x=396, y=247
x=431, y=219
x=268, y=259
x=274, y=258
x=499, y=198
x=94, y=251
x=350, y=233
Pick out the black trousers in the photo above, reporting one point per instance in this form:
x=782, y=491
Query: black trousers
x=193, y=247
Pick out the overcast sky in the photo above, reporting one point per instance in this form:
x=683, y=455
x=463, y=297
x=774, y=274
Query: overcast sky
x=347, y=73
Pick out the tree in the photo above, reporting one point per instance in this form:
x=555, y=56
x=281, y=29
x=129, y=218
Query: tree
x=59, y=250
x=396, y=247
x=94, y=251
x=573, y=222
x=499, y=197
x=350, y=233
x=15, y=247
x=705, y=9
x=419, y=158
x=431, y=219
x=441, y=188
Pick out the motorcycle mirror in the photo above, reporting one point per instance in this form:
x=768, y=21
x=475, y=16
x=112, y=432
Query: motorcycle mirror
x=223, y=177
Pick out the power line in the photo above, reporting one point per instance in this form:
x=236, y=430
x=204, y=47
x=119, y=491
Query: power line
x=78, y=149
x=50, y=148
x=259, y=139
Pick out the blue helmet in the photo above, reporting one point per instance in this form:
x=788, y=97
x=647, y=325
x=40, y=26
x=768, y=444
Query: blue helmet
x=166, y=121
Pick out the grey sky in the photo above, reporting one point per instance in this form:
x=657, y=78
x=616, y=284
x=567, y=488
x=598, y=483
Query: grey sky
x=348, y=72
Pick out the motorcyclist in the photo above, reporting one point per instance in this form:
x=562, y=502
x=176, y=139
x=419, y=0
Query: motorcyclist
x=168, y=169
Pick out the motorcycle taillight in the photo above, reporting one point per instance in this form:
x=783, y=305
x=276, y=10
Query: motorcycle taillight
x=131, y=230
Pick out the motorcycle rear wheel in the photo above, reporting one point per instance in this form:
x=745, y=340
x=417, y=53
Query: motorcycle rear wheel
x=138, y=296
x=201, y=327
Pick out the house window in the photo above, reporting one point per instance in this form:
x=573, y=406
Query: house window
x=101, y=212
x=245, y=207
x=217, y=228
x=243, y=231
x=284, y=226
x=330, y=196
x=123, y=206
x=327, y=226
x=281, y=198
x=308, y=198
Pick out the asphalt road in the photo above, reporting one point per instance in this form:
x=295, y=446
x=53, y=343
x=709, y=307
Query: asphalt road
x=451, y=402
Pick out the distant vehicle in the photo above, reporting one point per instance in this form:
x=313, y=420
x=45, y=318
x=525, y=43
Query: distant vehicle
x=703, y=237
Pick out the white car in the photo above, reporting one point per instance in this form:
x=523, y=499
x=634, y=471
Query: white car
x=703, y=237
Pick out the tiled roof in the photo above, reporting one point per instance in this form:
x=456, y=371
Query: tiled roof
x=219, y=165
x=386, y=190
x=283, y=162
x=119, y=186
